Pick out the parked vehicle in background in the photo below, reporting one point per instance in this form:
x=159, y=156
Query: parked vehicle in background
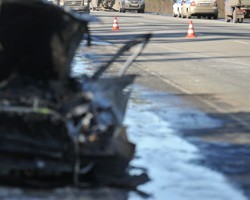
x=101, y=4
x=237, y=10
x=76, y=5
x=177, y=8
x=200, y=8
x=51, y=1
x=129, y=5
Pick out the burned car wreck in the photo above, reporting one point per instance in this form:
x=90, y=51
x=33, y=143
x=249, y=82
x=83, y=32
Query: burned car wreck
x=54, y=129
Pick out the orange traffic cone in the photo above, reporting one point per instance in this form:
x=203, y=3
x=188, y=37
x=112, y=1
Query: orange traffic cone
x=190, y=33
x=115, y=25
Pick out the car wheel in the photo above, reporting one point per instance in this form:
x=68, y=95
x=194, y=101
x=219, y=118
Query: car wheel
x=174, y=15
x=142, y=11
x=235, y=19
x=182, y=15
x=179, y=14
x=227, y=19
x=121, y=9
x=215, y=17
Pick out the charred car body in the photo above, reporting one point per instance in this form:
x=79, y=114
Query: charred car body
x=55, y=129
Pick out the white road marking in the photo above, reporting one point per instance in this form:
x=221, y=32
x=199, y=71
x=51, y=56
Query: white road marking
x=241, y=42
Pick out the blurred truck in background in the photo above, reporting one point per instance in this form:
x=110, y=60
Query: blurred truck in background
x=237, y=10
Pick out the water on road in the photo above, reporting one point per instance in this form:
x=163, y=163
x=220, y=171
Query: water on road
x=170, y=160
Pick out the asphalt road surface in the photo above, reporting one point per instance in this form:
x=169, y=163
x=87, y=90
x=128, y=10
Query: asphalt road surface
x=215, y=64
x=209, y=73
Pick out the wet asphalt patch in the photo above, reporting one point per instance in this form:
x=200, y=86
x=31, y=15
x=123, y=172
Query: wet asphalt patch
x=179, y=160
